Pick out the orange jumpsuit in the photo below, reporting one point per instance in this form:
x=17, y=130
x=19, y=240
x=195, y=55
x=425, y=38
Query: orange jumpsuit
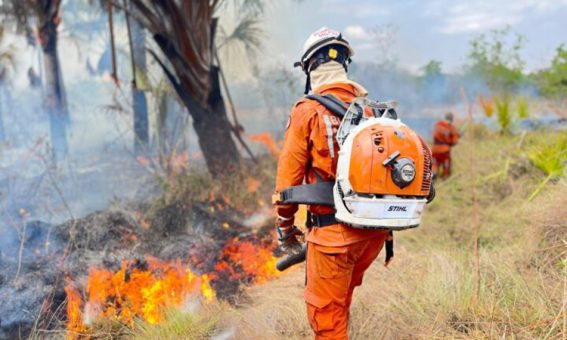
x=445, y=136
x=337, y=255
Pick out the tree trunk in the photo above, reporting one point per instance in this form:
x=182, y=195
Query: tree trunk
x=141, y=124
x=185, y=33
x=214, y=132
x=2, y=130
x=55, y=103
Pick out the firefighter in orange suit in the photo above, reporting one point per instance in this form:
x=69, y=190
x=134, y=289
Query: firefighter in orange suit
x=337, y=255
x=445, y=136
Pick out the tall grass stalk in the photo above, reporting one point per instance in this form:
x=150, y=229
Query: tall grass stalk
x=474, y=217
x=564, y=306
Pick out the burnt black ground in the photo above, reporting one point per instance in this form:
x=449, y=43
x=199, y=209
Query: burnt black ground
x=36, y=299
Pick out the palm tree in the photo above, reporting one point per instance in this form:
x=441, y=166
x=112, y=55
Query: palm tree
x=46, y=15
x=6, y=60
x=185, y=33
x=137, y=39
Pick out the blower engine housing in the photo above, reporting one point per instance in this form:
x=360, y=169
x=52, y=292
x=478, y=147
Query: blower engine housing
x=383, y=171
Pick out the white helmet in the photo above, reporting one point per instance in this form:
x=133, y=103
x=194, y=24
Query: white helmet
x=319, y=39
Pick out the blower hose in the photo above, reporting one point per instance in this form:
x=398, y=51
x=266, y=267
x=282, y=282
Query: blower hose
x=292, y=259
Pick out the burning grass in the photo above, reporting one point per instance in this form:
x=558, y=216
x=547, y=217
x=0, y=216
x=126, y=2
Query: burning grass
x=134, y=268
x=140, y=289
x=143, y=292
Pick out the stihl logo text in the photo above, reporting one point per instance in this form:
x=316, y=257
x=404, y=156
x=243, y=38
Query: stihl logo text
x=397, y=208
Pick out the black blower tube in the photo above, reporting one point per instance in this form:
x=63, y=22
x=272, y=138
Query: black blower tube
x=292, y=259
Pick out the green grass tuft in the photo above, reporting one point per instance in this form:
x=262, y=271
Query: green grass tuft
x=523, y=107
x=551, y=159
x=504, y=113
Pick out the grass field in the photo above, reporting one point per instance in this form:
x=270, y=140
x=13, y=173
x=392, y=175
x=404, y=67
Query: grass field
x=429, y=291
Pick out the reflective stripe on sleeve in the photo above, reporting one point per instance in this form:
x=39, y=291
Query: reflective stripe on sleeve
x=329, y=135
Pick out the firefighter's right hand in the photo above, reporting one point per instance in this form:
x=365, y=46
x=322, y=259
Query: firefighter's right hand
x=289, y=239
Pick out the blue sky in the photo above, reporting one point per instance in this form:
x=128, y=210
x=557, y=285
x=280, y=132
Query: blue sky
x=423, y=30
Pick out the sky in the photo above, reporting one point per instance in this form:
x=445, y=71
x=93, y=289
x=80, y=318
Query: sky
x=419, y=31
x=422, y=29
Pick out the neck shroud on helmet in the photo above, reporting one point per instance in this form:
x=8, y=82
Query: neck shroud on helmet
x=323, y=46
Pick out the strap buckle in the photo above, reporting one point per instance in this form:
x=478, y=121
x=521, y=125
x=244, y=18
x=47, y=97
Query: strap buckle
x=315, y=220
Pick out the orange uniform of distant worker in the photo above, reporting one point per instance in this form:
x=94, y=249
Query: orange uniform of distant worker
x=445, y=136
x=337, y=255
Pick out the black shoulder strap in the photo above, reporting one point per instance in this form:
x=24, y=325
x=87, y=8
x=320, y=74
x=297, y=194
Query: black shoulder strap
x=320, y=193
x=330, y=102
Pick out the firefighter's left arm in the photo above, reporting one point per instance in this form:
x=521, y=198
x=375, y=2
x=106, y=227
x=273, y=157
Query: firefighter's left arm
x=454, y=136
x=293, y=160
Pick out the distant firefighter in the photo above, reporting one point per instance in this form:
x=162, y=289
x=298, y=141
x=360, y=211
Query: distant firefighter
x=445, y=136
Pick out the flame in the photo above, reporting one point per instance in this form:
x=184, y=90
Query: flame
x=248, y=262
x=487, y=105
x=175, y=163
x=267, y=141
x=74, y=306
x=145, y=289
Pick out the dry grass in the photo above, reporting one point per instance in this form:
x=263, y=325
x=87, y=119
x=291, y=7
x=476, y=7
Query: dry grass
x=427, y=292
x=273, y=311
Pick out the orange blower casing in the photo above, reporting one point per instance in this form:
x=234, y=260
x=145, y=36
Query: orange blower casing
x=373, y=145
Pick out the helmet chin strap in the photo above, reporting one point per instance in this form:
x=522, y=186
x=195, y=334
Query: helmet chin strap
x=307, y=83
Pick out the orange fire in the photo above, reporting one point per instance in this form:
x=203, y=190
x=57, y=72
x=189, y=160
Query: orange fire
x=74, y=307
x=146, y=289
x=248, y=262
x=487, y=105
x=267, y=141
x=140, y=289
x=175, y=163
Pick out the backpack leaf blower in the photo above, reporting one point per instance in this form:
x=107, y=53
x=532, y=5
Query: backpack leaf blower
x=384, y=176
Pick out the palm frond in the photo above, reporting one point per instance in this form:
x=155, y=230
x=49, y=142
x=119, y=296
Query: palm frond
x=551, y=159
x=251, y=7
x=183, y=31
x=247, y=32
x=240, y=8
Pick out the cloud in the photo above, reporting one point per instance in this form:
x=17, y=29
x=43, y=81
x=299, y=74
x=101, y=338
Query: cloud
x=475, y=22
x=481, y=15
x=358, y=32
x=364, y=47
x=362, y=9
